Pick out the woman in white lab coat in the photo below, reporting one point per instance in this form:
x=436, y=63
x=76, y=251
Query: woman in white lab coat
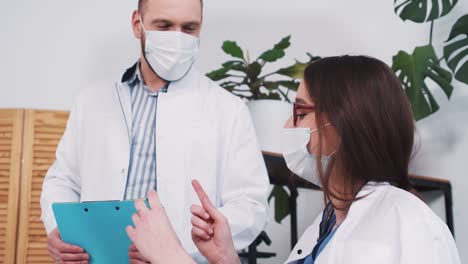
x=351, y=132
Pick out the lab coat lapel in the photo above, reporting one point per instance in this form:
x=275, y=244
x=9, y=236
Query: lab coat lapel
x=359, y=209
x=330, y=254
x=172, y=117
x=125, y=105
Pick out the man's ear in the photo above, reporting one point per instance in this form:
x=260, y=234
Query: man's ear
x=136, y=24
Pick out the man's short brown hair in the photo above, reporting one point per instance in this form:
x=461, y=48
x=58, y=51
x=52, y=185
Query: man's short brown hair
x=142, y=3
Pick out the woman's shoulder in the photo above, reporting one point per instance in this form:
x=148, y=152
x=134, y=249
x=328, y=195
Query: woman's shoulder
x=407, y=205
x=385, y=209
x=403, y=211
x=424, y=236
x=393, y=222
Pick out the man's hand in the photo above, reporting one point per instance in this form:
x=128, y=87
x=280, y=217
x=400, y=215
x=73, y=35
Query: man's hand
x=65, y=253
x=211, y=232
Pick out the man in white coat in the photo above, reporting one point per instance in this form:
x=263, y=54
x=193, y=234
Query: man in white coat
x=159, y=126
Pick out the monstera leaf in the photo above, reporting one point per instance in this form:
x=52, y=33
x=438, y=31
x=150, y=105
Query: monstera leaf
x=456, y=51
x=423, y=10
x=413, y=71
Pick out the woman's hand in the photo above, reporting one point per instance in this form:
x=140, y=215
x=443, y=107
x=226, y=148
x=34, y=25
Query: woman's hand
x=210, y=232
x=153, y=235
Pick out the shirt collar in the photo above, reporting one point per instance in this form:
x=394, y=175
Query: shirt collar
x=132, y=77
x=130, y=72
x=136, y=76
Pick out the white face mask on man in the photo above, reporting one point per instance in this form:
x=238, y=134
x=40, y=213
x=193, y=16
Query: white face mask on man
x=170, y=54
x=297, y=156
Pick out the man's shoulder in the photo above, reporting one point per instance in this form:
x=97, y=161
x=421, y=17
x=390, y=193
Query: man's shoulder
x=97, y=92
x=218, y=93
x=98, y=89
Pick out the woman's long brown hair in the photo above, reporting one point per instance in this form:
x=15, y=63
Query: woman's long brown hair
x=364, y=101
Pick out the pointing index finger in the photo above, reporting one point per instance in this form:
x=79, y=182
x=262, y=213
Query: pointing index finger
x=204, y=199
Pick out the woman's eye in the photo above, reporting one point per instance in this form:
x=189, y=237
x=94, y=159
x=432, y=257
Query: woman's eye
x=301, y=115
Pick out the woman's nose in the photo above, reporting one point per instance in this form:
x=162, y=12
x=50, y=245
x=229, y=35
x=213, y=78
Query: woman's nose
x=289, y=123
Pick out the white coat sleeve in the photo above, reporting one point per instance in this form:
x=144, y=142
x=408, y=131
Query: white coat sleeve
x=62, y=181
x=245, y=182
x=428, y=241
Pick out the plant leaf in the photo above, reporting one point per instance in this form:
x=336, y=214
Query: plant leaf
x=291, y=85
x=423, y=10
x=221, y=73
x=273, y=96
x=296, y=71
x=231, y=48
x=281, y=202
x=457, y=51
x=272, y=55
x=241, y=67
x=413, y=71
x=283, y=44
x=230, y=64
x=271, y=85
x=269, y=96
x=277, y=52
x=229, y=88
x=218, y=74
x=254, y=70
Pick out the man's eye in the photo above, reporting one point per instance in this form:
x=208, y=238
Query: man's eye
x=189, y=29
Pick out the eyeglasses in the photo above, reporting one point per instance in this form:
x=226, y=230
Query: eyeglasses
x=298, y=107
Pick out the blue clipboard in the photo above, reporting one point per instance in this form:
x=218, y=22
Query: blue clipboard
x=98, y=228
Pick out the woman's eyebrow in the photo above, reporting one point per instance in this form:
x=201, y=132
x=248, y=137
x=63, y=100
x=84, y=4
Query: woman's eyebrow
x=300, y=101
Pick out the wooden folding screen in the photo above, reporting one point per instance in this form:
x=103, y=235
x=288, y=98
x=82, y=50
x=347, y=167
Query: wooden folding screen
x=11, y=129
x=28, y=140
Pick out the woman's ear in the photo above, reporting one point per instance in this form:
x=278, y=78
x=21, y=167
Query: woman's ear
x=331, y=140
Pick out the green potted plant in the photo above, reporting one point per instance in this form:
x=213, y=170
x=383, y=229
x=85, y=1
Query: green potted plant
x=267, y=95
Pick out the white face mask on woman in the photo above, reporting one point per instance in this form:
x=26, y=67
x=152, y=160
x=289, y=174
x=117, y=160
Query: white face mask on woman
x=297, y=156
x=170, y=54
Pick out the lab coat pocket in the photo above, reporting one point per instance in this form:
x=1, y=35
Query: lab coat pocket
x=353, y=252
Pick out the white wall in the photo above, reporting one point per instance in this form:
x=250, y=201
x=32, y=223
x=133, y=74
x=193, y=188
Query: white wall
x=50, y=49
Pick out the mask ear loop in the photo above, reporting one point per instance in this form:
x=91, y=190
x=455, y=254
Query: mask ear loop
x=144, y=51
x=142, y=26
x=327, y=124
x=315, y=130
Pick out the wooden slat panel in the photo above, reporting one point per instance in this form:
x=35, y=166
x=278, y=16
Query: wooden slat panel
x=43, y=130
x=11, y=127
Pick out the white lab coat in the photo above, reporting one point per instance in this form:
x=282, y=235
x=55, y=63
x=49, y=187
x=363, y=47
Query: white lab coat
x=388, y=226
x=202, y=132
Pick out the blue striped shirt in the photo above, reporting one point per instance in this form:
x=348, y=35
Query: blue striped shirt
x=142, y=167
